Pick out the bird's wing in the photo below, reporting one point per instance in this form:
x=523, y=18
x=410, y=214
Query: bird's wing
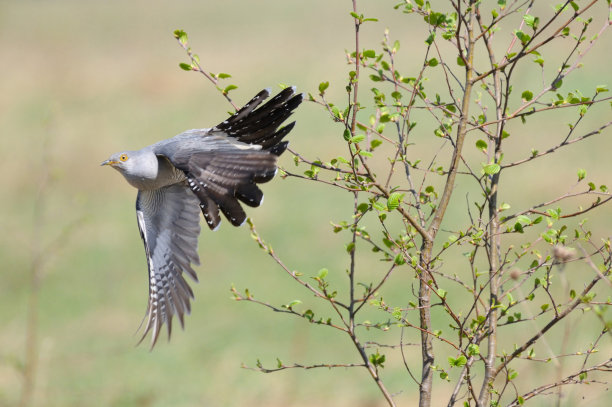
x=223, y=164
x=169, y=223
x=222, y=172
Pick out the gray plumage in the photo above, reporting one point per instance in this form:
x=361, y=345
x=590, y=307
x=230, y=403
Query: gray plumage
x=208, y=170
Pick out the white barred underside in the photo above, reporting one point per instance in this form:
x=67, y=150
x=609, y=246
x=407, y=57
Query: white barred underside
x=168, y=219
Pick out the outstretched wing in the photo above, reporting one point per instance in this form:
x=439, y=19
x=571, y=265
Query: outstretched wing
x=169, y=223
x=224, y=164
x=222, y=177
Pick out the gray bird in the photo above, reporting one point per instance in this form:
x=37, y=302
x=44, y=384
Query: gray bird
x=207, y=170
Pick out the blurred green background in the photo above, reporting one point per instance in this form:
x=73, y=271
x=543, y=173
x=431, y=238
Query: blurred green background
x=80, y=80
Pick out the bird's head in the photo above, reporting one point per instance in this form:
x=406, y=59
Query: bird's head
x=139, y=167
x=122, y=161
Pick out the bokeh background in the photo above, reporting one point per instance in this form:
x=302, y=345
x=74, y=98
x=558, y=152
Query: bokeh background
x=80, y=80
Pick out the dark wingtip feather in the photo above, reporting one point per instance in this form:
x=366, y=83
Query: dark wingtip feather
x=208, y=207
x=279, y=148
x=250, y=194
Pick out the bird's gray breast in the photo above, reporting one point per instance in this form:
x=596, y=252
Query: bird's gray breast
x=156, y=174
x=167, y=174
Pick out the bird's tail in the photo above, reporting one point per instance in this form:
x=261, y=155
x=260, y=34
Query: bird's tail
x=260, y=125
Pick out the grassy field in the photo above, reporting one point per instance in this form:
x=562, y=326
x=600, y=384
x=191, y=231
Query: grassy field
x=81, y=80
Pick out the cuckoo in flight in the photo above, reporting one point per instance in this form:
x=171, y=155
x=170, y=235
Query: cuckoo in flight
x=209, y=170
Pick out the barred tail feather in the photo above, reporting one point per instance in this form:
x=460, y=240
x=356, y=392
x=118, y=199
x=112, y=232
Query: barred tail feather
x=259, y=126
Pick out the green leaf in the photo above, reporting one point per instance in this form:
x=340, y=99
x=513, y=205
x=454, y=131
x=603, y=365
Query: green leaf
x=181, y=36
x=375, y=143
x=323, y=86
x=460, y=61
x=186, y=67
x=336, y=112
x=460, y=361
x=322, y=273
x=394, y=200
x=378, y=206
x=601, y=88
x=292, y=304
x=518, y=227
x=539, y=61
x=581, y=174
x=399, y=259
x=441, y=292
x=525, y=220
x=370, y=53
x=432, y=62
x=228, y=88
x=527, y=95
x=524, y=38
x=531, y=21
x=482, y=145
x=430, y=38
x=357, y=139
x=473, y=349
x=308, y=314
x=224, y=75
x=491, y=169
x=377, y=359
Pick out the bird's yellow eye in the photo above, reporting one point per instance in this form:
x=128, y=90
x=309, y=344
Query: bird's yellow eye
x=123, y=157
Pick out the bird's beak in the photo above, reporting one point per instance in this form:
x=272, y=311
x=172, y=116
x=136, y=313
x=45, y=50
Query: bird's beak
x=108, y=162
